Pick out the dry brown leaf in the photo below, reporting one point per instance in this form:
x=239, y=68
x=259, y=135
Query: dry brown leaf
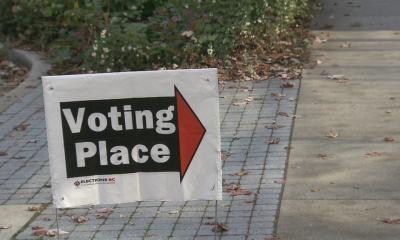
x=342, y=81
x=283, y=114
x=389, y=139
x=280, y=181
x=209, y=223
x=242, y=173
x=104, y=210
x=274, y=126
x=14, y=135
x=174, y=212
x=80, y=219
x=345, y=45
x=274, y=141
x=373, y=154
x=221, y=227
x=356, y=187
x=288, y=148
x=315, y=190
x=394, y=221
x=20, y=127
x=331, y=135
x=37, y=227
x=3, y=154
x=249, y=99
x=335, y=76
x=249, y=201
x=287, y=85
x=33, y=209
x=323, y=156
x=388, y=111
x=241, y=192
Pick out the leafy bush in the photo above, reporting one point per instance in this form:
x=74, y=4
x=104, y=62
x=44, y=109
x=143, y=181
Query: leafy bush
x=105, y=35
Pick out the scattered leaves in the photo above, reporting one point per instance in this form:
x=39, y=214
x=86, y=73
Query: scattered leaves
x=104, y=210
x=331, y=135
x=242, y=173
x=315, y=190
x=274, y=141
x=323, y=156
x=389, y=139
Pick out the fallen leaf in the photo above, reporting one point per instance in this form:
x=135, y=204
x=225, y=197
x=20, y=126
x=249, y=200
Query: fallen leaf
x=233, y=86
x=241, y=192
x=394, y=221
x=327, y=26
x=287, y=85
x=332, y=183
x=99, y=216
x=32, y=141
x=1, y=227
x=122, y=216
x=249, y=201
x=37, y=227
x=174, y=212
x=331, y=135
x=274, y=126
x=249, y=99
x=80, y=219
x=14, y=135
x=20, y=127
x=222, y=96
x=373, y=154
x=220, y=227
x=239, y=103
x=345, y=45
x=324, y=73
x=389, y=139
x=319, y=40
x=3, y=153
x=236, y=137
x=151, y=235
x=47, y=185
x=238, y=99
x=318, y=62
x=40, y=233
x=280, y=181
x=315, y=190
x=47, y=219
x=244, y=87
x=356, y=187
x=233, y=186
x=288, y=148
x=33, y=209
x=370, y=208
x=291, y=99
x=342, y=81
x=242, y=173
x=104, y=210
x=388, y=111
x=283, y=114
x=274, y=141
x=323, y=156
x=223, y=205
x=294, y=116
x=335, y=76
x=209, y=223
x=356, y=24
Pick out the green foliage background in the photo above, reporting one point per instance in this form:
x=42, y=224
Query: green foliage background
x=120, y=35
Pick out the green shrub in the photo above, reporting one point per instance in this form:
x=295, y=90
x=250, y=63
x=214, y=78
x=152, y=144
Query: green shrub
x=110, y=35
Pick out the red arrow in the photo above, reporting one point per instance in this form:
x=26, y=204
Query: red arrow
x=191, y=132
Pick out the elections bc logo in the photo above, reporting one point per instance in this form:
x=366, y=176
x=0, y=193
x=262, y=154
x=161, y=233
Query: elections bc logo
x=77, y=183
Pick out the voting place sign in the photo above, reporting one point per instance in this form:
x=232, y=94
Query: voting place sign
x=133, y=136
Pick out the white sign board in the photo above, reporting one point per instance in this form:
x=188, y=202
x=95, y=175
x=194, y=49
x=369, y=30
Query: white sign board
x=133, y=136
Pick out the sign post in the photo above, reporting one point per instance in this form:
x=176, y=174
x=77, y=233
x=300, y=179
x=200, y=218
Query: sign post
x=133, y=136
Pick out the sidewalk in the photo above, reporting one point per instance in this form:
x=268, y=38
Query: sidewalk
x=23, y=180
x=353, y=191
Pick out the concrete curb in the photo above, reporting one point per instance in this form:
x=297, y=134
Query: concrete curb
x=36, y=68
